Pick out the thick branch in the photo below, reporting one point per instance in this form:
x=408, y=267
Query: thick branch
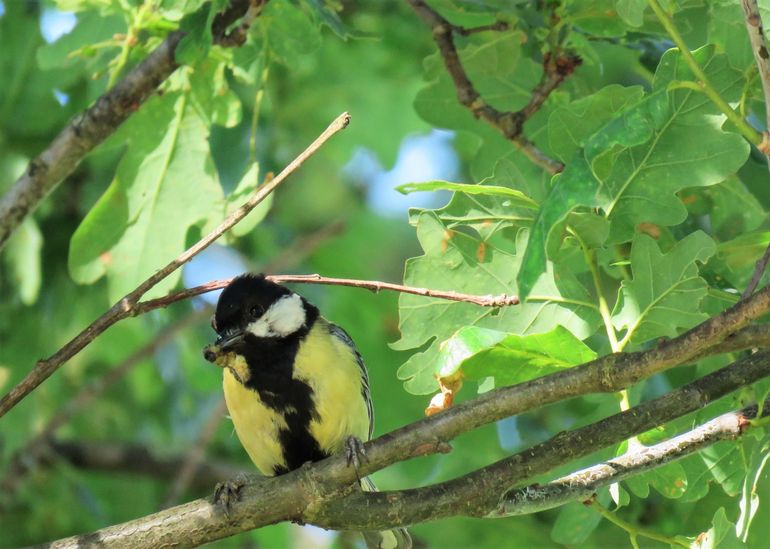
x=478, y=493
x=97, y=123
x=127, y=306
x=510, y=124
x=317, y=494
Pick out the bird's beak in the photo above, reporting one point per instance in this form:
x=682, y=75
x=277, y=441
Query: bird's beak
x=223, y=344
x=228, y=340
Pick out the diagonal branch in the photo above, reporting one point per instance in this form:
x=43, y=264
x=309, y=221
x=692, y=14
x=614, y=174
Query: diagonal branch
x=127, y=306
x=318, y=493
x=27, y=457
x=86, y=131
x=582, y=485
x=510, y=124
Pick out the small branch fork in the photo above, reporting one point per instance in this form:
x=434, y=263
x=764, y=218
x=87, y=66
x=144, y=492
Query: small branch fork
x=316, y=493
x=85, y=132
x=129, y=305
x=556, y=68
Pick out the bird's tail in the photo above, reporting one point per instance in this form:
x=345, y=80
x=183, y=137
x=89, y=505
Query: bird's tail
x=398, y=538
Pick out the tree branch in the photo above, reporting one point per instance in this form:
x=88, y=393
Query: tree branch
x=28, y=456
x=319, y=493
x=137, y=459
x=510, y=124
x=127, y=306
x=582, y=485
x=86, y=131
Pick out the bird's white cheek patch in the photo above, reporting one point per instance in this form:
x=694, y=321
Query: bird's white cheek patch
x=284, y=317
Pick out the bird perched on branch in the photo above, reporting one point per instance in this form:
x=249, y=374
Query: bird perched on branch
x=296, y=387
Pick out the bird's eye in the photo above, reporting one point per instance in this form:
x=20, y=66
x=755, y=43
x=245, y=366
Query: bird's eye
x=255, y=312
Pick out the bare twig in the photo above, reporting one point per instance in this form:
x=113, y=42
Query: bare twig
x=315, y=493
x=127, y=306
x=27, y=457
x=97, y=123
x=510, y=124
x=467, y=31
x=581, y=485
x=189, y=467
x=137, y=459
x=756, y=276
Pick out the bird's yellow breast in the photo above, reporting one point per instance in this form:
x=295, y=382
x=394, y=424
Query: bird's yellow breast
x=329, y=367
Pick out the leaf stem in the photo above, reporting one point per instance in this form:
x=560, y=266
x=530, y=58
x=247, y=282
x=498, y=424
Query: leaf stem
x=604, y=310
x=635, y=531
x=703, y=83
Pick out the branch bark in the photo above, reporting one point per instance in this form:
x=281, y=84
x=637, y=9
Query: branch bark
x=86, y=131
x=127, y=306
x=321, y=494
x=510, y=124
x=582, y=485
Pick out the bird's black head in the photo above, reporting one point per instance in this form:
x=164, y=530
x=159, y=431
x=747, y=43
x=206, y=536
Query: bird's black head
x=251, y=305
x=245, y=300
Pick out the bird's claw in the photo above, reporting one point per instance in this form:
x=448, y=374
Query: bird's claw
x=354, y=450
x=228, y=492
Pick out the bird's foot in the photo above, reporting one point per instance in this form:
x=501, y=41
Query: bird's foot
x=354, y=451
x=228, y=492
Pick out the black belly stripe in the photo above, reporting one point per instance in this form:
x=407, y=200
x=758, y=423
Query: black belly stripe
x=270, y=363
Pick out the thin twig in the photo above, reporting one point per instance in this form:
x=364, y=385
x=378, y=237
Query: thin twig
x=510, y=124
x=188, y=468
x=79, y=137
x=315, y=493
x=137, y=459
x=497, y=26
x=581, y=485
x=502, y=300
x=127, y=306
x=756, y=276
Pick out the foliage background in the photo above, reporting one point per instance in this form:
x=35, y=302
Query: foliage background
x=173, y=170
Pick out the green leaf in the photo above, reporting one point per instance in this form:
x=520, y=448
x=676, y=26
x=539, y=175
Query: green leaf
x=481, y=353
x=666, y=290
x=22, y=254
x=457, y=261
x=165, y=184
x=632, y=11
x=291, y=34
x=735, y=259
x=633, y=166
x=750, y=496
x=570, y=126
x=721, y=534
x=500, y=71
x=576, y=521
x=519, y=198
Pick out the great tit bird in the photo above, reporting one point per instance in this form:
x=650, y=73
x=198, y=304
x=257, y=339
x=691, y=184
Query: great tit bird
x=296, y=388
